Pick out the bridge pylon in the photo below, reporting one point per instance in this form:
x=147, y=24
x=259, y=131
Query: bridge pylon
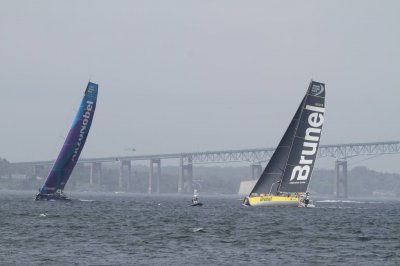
x=38, y=170
x=256, y=171
x=95, y=173
x=125, y=175
x=341, y=188
x=185, y=181
x=151, y=174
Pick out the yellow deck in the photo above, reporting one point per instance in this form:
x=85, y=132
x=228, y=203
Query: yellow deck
x=270, y=200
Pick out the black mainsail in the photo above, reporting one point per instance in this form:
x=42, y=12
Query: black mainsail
x=291, y=165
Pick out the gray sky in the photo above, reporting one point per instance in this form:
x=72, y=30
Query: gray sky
x=179, y=76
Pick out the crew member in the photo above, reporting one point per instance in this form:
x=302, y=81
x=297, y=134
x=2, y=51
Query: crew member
x=246, y=201
x=307, y=199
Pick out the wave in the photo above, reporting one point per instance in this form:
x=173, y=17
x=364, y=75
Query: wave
x=340, y=201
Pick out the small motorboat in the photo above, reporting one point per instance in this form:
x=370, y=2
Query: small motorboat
x=303, y=205
x=306, y=202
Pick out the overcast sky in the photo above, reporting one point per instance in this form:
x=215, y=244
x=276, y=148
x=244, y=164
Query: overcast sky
x=181, y=76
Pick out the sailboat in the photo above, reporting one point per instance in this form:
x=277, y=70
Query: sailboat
x=285, y=179
x=195, y=199
x=53, y=187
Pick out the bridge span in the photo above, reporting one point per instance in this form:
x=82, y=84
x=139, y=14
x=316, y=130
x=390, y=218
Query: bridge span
x=339, y=152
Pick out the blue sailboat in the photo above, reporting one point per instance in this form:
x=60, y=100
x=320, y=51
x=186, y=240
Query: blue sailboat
x=53, y=187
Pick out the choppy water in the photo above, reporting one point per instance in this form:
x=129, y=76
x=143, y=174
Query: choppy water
x=163, y=230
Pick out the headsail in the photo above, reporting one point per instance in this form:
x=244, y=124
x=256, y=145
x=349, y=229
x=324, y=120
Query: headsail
x=290, y=167
x=73, y=145
x=268, y=181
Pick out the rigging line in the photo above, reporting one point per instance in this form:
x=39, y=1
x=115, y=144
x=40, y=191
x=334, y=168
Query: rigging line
x=356, y=162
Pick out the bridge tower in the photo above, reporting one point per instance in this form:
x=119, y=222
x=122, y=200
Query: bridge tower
x=185, y=181
x=341, y=190
x=256, y=171
x=95, y=173
x=125, y=174
x=38, y=170
x=151, y=173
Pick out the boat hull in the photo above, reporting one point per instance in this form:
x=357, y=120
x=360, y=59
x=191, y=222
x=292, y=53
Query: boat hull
x=309, y=205
x=273, y=201
x=51, y=197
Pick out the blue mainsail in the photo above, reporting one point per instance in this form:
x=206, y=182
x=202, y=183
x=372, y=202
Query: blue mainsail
x=72, y=148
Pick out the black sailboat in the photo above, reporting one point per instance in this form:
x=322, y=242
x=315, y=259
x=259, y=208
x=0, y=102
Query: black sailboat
x=289, y=170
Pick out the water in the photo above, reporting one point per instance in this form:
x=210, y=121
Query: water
x=108, y=229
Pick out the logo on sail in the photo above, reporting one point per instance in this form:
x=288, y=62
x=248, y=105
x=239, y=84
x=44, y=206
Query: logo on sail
x=91, y=89
x=317, y=89
x=310, y=144
x=84, y=127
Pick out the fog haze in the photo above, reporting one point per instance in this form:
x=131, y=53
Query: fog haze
x=181, y=76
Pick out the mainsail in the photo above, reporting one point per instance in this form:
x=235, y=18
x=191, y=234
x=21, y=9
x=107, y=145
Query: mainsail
x=291, y=165
x=73, y=145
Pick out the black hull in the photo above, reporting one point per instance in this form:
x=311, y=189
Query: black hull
x=40, y=197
